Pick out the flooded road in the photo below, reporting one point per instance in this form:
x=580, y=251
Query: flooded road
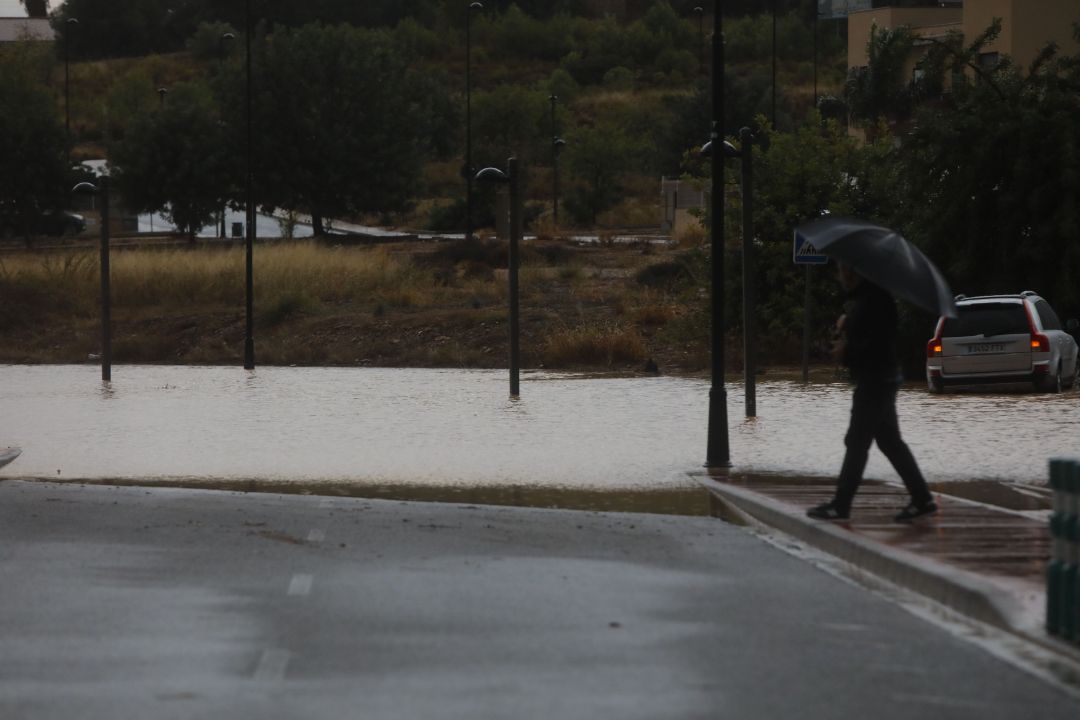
x=458, y=429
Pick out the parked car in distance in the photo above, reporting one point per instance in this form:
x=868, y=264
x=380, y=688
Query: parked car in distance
x=1003, y=339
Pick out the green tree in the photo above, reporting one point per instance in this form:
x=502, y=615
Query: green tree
x=175, y=160
x=597, y=158
x=33, y=176
x=510, y=120
x=118, y=28
x=342, y=125
x=991, y=184
x=880, y=89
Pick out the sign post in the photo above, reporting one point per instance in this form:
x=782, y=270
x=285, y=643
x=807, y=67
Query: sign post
x=804, y=253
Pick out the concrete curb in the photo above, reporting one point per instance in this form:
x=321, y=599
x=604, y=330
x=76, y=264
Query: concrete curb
x=955, y=588
x=960, y=590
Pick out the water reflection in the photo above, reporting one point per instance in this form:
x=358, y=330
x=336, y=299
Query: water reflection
x=457, y=429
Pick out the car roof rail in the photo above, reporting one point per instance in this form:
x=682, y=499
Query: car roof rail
x=1028, y=293
x=961, y=296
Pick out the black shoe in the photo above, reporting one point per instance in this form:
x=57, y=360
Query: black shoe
x=915, y=510
x=827, y=511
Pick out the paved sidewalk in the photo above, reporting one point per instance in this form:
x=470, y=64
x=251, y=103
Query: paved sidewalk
x=983, y=561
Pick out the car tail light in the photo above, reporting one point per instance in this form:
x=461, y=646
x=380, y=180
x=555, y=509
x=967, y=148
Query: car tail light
x=933, y=348
x=1039, y=342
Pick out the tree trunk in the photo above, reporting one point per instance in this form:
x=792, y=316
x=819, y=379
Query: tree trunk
x=36, y=8
x=317, y=224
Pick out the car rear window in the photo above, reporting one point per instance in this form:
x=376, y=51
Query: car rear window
x=987, y=319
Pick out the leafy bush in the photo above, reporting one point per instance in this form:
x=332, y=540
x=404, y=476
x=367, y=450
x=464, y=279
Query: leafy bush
x=592, y=346
x=209, y=44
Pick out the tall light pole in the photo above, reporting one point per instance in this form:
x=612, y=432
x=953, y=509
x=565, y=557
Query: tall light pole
x=718, y=453
x=774, y=64
x=557, y=144
x=700, y=12
x=162, y=92
x=748, y=138
x=249, y=337
x=71, y=23
x=102, y=191
x=817, y=14
x=511, y=177
x=225, y=38
x=473, y=7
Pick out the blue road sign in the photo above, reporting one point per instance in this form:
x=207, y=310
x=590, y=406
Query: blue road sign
x=804, y=253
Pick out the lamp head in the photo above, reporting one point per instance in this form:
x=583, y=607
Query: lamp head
x=492, y=174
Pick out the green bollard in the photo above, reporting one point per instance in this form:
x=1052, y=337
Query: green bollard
x=1055, y=569
x=1069, y=597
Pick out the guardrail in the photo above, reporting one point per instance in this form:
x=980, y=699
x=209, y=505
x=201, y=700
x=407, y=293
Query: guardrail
x=1063, y=571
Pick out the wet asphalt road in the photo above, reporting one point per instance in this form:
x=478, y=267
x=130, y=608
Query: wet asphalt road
x=161, y=603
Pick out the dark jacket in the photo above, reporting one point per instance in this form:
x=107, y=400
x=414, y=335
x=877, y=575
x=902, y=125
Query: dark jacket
x=870, y=336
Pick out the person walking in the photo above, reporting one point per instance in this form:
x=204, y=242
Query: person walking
x=867, y=347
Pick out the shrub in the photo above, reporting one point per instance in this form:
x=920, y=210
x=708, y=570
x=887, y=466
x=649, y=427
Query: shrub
x=604, y=346
x=667, y=274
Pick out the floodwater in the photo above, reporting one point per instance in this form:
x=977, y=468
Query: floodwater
x=458, y=429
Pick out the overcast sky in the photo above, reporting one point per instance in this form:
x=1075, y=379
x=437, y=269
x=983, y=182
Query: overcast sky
x=11, y=8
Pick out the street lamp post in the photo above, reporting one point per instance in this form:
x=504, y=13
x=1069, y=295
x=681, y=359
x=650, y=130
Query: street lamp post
x=162, y=92
x=774, y=64
x=225, y=38
x=249, y=338
x=512, y=177
x=468, y=119
x=700, y=12
x=717, y=453
x=102, y=191
x=71, y=23
x=747, y=139
x=557, y=144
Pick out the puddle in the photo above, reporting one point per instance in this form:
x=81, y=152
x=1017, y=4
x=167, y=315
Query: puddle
x=457, y=429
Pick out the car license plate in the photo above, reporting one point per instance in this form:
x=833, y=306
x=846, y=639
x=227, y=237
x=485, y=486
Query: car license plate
x=975, y=348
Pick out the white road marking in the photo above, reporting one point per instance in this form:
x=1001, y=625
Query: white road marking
x=316, y=536
x=300, y=585
x=272, y=665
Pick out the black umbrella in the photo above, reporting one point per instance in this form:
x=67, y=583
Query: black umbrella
x=885, y=258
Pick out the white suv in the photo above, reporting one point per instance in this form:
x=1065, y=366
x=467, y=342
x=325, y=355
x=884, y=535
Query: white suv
x=1003, y=339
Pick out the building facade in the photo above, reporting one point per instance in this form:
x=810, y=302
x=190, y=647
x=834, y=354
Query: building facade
x=1026, y=27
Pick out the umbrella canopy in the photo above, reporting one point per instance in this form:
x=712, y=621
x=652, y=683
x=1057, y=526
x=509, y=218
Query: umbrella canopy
x=885, y=258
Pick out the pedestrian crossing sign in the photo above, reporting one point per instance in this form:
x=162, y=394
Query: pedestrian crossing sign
x=804, y=252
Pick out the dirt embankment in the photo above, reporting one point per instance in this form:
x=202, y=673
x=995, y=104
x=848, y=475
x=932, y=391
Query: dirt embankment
x=608, y=307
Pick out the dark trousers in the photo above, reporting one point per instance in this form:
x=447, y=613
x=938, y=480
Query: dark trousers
x=873, y=418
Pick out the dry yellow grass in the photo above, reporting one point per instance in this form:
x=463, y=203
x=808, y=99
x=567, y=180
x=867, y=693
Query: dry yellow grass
x=596, y=345
x=207, y=277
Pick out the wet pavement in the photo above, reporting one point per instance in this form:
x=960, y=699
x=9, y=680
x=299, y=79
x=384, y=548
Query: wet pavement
x=984, y=561
x=164, y=603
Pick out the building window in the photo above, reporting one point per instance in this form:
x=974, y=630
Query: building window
x=988, y=62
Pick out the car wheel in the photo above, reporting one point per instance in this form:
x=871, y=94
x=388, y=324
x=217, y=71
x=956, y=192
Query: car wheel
x=1052, y=383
